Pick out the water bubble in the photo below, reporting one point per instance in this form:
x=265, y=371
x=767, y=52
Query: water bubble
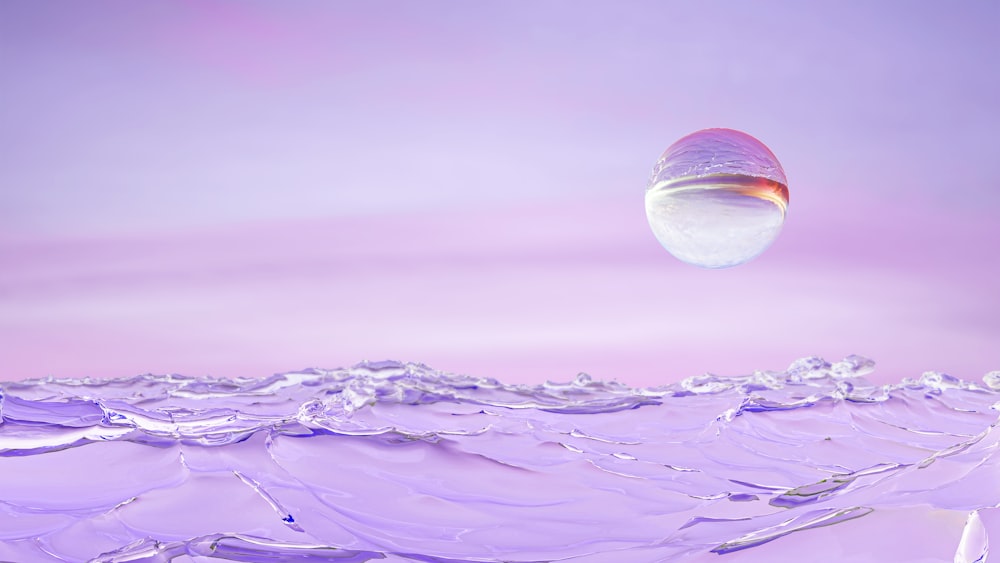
x=717, y=198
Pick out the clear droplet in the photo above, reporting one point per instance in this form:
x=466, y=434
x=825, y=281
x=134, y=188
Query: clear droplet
x=717, y=198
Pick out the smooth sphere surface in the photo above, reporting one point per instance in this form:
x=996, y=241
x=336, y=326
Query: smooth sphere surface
x=717, y=198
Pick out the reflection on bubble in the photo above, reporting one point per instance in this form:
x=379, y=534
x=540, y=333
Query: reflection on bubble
x=717, y=198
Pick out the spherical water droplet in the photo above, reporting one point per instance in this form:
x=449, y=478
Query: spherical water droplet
x=717, y=198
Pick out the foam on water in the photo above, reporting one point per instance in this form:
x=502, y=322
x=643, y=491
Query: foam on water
x=398, y=462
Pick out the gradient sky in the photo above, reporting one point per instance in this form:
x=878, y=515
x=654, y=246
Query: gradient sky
x=240, y=188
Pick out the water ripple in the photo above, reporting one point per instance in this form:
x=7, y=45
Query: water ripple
x=398, y=462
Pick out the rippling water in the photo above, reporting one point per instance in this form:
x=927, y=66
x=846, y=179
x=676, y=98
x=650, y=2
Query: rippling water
x=398, y=462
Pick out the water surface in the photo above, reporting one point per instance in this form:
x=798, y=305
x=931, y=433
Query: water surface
x=398, y=462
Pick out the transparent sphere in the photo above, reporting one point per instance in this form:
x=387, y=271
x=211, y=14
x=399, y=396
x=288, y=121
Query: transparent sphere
x=717, y=198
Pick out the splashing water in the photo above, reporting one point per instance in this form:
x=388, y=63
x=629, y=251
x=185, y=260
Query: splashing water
x=717, y=198
x=397, y=462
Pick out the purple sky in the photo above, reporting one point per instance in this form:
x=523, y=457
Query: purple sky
x=242, y=188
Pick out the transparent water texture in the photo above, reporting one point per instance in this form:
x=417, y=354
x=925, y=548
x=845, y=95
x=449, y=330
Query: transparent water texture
x=398, y=462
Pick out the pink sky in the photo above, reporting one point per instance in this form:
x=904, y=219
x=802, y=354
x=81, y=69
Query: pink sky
x=240, y=189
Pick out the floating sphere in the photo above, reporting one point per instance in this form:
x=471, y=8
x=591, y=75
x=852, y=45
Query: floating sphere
x=717, y=198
